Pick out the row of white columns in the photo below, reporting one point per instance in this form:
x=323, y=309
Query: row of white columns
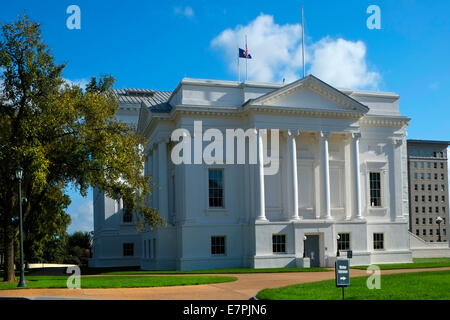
x=325, y=175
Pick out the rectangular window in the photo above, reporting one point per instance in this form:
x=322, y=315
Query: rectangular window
x=435, y=176
x=344, y=241
x=375, y=189
x=442, y=165
x=435, y=165
x=429, y=187
x=417, y=232
x=437, y=209
x=430, y=220
x=417, y=220
x=423, y=198
x=430, y=209
x=378, y=241
x=423, y=187
x=415, y=164
x=415, y=187
x=127, y=215
x=443, y=199
x=435, y=187
x=422, y=176
x=215, y=182
x=421, y=164
x=436, y=198
x=417, y=209
x=444, y=232
x=416, y=198
x=429, y=176
x=442, y=187
x=424, y=221
x=442, y=176
x=415, y=175
x=128, y=249
x=430, y=198
x=423, y=209
x=431, y=232
x=217, y=245
x=279, y=243
x=429, y=165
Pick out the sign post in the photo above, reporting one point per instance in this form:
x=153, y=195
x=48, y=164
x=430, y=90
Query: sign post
x=342, y=268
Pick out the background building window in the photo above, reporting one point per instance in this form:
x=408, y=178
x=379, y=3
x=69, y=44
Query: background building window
x=128, y=249
x=215, y=182
x=279, y=243
x=217, y=245
x=344, y=241
x=375, y=189
x=378, y=241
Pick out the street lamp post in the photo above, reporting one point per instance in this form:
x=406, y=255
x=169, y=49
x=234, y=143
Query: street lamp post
x=439, y=221
x=19, y=176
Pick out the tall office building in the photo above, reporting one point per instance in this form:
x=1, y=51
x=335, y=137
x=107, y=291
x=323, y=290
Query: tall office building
x=428, y=189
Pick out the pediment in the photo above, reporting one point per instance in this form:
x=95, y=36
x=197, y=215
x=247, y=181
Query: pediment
x=310, y=93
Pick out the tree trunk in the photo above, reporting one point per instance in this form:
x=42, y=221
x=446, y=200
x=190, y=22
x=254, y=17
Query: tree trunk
x=9, y=274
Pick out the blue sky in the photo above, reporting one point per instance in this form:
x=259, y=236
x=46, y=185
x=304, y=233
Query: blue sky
x=153, y=44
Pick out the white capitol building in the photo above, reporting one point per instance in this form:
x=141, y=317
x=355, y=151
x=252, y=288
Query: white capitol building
x=341, y=183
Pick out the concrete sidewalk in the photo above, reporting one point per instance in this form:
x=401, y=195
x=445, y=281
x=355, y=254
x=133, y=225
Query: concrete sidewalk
x=244, y=288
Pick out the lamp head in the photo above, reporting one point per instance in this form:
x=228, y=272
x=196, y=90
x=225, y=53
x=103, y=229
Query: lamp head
x=19, y=173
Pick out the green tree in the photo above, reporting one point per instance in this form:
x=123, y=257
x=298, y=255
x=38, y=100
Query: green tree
x=60, y=135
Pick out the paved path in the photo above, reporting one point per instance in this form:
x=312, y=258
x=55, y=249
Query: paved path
x=244, y=288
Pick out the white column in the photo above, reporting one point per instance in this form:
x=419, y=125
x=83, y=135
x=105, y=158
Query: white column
x=397, y=174
x=262, y=198
x=162, y=180
x=356, y=175
x=155, y=185
x=325, y=165
x=292, y=134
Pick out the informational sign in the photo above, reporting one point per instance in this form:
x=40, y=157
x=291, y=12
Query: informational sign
x=342, y=273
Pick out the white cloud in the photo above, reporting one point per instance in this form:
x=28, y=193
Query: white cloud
x=342, y=63
x=276, y=53
x=186, y=11
x=275, y=49
x=82, y=212
x=82, y=83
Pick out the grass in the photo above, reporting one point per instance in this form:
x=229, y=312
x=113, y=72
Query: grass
x=432, y=285
x=208, y=271
x=417, y=263
x=118, y=281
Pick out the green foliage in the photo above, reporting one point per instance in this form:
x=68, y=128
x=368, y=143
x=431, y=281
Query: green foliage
x=60, y=135
x=118, y=281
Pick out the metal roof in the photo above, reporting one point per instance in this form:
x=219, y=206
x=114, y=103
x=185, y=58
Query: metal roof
x=157, y=101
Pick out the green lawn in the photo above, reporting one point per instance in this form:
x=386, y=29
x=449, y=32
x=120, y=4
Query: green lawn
x=208, y=271
x=118, y=281
x=417, y=263
x=432, y=285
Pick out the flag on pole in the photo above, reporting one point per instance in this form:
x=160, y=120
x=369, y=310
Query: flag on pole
x=244, y=54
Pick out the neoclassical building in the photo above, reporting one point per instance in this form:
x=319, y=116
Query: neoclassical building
x=340, y=184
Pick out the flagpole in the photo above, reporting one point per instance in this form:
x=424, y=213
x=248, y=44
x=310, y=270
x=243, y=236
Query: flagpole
x=246, y=58
x=303, y=43
x=239, y=69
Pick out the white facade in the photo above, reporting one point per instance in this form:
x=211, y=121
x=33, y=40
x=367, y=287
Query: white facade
x=330, y=142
